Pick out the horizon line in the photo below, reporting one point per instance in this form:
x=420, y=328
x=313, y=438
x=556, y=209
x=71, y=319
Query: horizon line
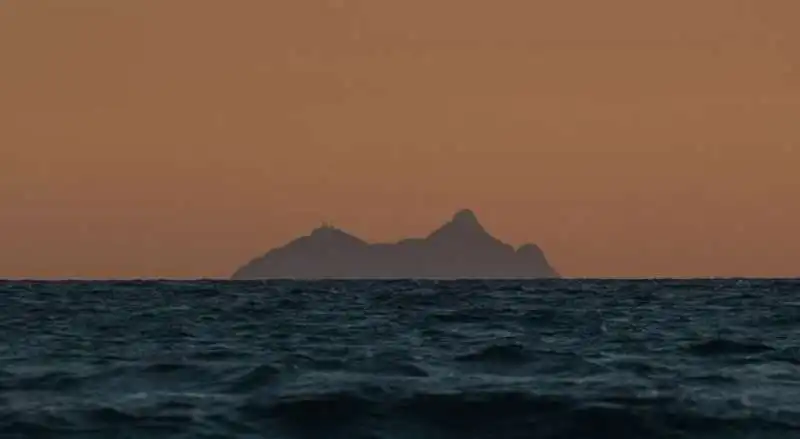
x=440, y=279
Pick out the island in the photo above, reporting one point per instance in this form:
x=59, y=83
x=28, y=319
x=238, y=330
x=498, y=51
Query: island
x=460, y=249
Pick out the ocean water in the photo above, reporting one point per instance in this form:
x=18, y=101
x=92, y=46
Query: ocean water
x=400, y=359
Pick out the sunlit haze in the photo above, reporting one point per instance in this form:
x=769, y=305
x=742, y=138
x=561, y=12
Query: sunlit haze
x=628, y=138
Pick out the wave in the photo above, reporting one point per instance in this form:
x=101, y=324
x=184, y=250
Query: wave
x=254, y=378
x=402, y=359
x=503, y=414
x=723, y=346
x=507, y=353
x=508, y=415
x=262, y=401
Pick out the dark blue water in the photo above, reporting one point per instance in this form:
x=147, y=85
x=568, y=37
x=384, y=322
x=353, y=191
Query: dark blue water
x=404, y=359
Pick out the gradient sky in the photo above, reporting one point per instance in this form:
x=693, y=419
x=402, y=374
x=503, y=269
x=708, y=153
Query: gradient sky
x=634, y=138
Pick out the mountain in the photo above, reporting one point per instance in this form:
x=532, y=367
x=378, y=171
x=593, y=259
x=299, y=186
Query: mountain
x=460, y=249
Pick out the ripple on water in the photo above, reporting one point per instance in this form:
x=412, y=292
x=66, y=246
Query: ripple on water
x=400, y=359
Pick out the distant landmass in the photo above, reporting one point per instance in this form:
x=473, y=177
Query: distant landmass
x=460, y=249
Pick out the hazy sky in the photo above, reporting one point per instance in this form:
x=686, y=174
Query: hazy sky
x=155, y=138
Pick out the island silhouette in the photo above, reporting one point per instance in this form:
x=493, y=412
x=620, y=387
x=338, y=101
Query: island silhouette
x=460, y=249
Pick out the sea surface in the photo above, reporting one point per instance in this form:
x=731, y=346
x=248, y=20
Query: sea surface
x=401, y=359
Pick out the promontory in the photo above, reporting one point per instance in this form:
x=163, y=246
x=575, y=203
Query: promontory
x=460, y=249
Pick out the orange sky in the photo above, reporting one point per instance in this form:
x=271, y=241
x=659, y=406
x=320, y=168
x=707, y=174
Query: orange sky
x=154, y=138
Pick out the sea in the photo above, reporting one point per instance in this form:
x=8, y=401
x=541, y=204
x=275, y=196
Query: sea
x=399, y=359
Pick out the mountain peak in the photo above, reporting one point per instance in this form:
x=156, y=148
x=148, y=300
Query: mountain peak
x=465, y=221
x=331, y=234
x=463, y=224
x=465, y=216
